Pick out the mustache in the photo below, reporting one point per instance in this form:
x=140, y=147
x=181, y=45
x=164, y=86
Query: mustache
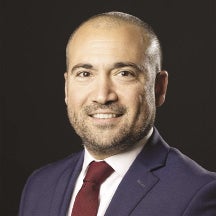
x=115, y=108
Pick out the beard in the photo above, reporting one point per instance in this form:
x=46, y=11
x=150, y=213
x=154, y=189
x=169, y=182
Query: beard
x=110, y=139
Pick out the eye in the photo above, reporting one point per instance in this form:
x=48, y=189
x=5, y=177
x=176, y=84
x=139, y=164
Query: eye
x=126, y=73
x=83, y=74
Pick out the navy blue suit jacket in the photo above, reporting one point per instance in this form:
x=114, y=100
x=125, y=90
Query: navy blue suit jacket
x=161, y=182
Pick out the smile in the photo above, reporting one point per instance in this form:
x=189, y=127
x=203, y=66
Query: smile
x=105, y=115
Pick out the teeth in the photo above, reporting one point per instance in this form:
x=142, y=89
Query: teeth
x=104, y=116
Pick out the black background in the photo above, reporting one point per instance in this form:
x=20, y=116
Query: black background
x=34, y=129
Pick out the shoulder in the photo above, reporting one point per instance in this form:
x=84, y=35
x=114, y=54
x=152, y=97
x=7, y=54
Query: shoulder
x=186, y=184
x=50, y=173
x=196, y=181
x=185, y=166
x=48, y=182
x=177, y=164
x=192, y=182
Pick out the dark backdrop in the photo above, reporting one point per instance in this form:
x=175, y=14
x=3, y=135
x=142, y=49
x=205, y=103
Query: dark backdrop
x=34, y=129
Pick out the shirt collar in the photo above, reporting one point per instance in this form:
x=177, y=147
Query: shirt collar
x=119, y=162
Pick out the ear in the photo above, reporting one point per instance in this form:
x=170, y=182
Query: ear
x=161, y=83
x=66, y=94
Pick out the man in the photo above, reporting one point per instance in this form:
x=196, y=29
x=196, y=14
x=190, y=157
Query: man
x=113, y=85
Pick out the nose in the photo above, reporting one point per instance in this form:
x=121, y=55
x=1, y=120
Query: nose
x=104, y=91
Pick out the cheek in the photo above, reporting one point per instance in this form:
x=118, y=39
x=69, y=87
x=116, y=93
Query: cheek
x=141, y=103
x=75, y=96
x=141, y=99
x=136, y=97
x=73, y=102
x=135, y=103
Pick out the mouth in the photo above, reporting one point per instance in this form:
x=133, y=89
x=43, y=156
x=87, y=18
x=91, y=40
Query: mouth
x=105, y=115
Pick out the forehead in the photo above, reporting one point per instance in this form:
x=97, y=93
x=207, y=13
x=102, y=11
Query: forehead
x=124, y=41
x=96, y=31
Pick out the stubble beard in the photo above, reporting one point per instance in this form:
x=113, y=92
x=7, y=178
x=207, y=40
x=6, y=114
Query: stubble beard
x=122, y=139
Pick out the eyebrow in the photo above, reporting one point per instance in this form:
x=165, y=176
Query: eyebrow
x=129, y=64
x=81, y=65
x=117, y=65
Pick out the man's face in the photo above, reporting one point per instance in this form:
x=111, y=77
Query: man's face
x=109, y=95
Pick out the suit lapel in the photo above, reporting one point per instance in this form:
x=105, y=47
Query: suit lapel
x=131, y=190
x=65, y=186
x=139, y=179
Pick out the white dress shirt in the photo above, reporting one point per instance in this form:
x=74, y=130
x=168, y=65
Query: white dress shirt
x=120, y=163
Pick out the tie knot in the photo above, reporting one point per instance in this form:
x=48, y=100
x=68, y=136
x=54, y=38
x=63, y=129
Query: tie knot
x=98, y=172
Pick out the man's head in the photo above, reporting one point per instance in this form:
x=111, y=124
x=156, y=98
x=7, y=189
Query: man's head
x=113, y=82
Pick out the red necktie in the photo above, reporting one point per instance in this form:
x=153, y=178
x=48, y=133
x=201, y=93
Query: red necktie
x=86, y=202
